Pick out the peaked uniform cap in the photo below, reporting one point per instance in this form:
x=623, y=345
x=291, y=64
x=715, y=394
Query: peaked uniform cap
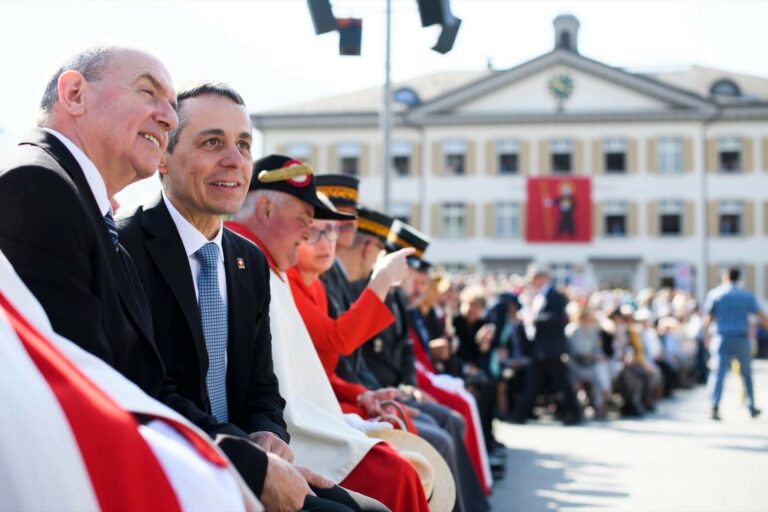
x=403, y=235
x=341, y=189
x=294, y=177
x=374, y=223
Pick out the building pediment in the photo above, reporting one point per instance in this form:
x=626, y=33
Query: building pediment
x=562, y=83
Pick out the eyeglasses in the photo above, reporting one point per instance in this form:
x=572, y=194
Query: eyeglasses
x=331, y=233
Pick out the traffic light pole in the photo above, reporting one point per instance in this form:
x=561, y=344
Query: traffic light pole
x=386, y=114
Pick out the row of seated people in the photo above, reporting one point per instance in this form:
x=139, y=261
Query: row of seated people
x=622, y=350
x=201, y=323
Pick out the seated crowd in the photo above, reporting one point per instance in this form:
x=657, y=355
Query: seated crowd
x=563, y=351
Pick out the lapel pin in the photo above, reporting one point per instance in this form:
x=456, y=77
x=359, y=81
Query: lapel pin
x=241, y=263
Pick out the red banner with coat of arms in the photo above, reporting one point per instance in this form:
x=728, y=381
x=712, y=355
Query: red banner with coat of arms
x=559, y=210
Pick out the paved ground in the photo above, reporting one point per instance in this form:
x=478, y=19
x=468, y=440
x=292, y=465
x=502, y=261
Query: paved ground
x=674, y=460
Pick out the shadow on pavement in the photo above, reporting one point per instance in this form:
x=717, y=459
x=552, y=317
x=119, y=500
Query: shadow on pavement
x=542, y=482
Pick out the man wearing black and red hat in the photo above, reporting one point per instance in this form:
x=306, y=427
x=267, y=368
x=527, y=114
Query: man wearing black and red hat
x=276, y=216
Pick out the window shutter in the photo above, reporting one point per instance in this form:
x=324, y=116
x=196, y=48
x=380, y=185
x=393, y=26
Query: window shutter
x=650, y=160
x=525, y=158
x=712, y=278
x=653, y=219
x=543, y=158
x=765, y=154
x=687, y=154
x=712, y=218
x=364, y=162
x=712, y=155
x=491, y=167
x=597, y=220
x=689, y=220
x=437, y=158
x=436, y=220
x=631, y=156
x=765, y=221
x=653, y=276
x=469, y=220
x=749, y=218
x=490, y=220
x=749, y=278
x=523, y=220
x=632, y=212
x=470, y=163
x=314, y=159
x=333, y=161
x=765, y=281
x=578, y=157
x=747, y=163
x=415, y=219
x=598, y=160
x=415, y=159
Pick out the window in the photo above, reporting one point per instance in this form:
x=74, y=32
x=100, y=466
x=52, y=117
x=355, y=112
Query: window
x=615, y=217
x=562, y=273
x=349, y=158
x=453, y=220
x=561, y=154
x=671, y=218
x=507, y=157
x=402, y=212
x=669, y=155
x=454, y=155
x=729, y=154
x=401, y=158
x=507, y=220
x=681, y=276
x=729, y=218
x=615, y=155
x=725, y=87
x=299, y=151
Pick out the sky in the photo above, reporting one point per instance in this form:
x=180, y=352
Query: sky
x=267, y=49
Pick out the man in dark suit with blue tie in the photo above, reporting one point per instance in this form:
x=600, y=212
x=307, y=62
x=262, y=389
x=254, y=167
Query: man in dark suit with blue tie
x=210, y=288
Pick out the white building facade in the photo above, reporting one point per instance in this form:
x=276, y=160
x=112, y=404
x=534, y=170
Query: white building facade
x=678, y=165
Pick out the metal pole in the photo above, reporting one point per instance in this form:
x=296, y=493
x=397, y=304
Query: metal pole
x=386, y=117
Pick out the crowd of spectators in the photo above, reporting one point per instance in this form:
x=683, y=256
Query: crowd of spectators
x=625, y=352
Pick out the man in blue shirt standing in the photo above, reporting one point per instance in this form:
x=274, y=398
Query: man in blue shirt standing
x=729, y=307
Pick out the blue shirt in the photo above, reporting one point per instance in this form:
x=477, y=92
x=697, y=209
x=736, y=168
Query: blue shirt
x=730, y=307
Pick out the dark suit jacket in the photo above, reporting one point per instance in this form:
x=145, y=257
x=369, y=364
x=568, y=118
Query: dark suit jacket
x=550, y=340
x=390, y=354
x=54, y=235
x=253, y=398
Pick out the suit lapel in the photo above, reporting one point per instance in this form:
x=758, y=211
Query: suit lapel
x=241, y=310
x=126, y=280
x=167, y=251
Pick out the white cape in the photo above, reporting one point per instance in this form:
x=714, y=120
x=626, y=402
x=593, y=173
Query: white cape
x=41, y=467
x=320, y=437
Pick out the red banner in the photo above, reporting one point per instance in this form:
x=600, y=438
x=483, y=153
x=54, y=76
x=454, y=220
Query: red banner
x=559, y=210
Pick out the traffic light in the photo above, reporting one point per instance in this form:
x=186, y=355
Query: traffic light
x=434, y=12
x=322, y=16
x=350, y=35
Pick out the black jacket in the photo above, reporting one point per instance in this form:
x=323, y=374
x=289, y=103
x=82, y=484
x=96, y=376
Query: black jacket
x=253, y=398
x=52, y=232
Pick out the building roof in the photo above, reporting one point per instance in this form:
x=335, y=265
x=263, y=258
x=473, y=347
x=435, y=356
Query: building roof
x=427, y=87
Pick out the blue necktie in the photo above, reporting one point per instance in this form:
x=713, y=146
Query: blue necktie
x=213, y=313
x=112, y=227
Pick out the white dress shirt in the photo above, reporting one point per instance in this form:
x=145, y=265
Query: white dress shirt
x=193, y=240
x=92, y=175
